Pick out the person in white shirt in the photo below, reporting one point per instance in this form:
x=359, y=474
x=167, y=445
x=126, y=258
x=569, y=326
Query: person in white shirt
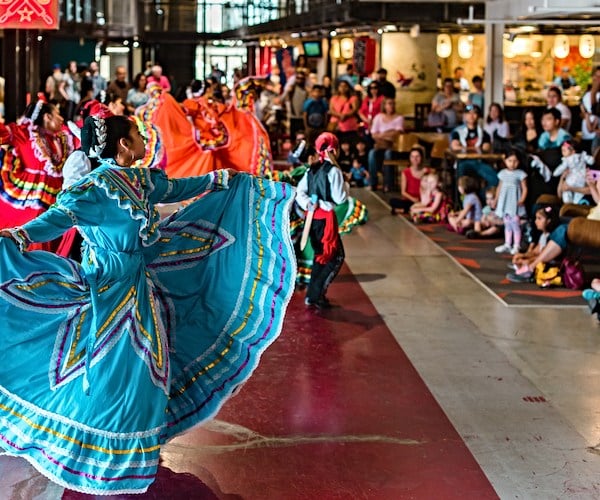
x=495, y=124
x=590, y=123
x=554, y=100
x=319, y=191
x=385, y=129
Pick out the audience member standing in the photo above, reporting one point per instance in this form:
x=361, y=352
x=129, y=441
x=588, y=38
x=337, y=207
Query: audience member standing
x=565, y=81
x=98, y=80
x=370, y=107
x=156, y=76
x=327, y=91
x=294, y=97
x=461, y=84
x=315, y=114
x=343, y=109
x=69, y=88
x=349, y=77
x=119, y=85
x=137, y=95
x=52, y=86
x=386, y=88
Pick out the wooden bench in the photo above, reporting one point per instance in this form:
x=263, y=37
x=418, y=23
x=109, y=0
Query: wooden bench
x=404, y=143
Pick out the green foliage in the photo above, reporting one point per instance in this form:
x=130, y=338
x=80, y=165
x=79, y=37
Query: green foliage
x=583, y=74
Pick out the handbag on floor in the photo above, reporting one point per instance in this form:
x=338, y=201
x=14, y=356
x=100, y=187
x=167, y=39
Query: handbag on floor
x=572, y=273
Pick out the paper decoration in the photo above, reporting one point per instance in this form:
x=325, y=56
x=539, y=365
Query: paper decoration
x=29, y=14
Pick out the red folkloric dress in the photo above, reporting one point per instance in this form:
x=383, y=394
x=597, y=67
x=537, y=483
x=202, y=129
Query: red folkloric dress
x=31, y=171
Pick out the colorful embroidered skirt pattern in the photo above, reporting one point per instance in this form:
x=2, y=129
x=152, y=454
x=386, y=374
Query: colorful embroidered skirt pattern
x=220, y=278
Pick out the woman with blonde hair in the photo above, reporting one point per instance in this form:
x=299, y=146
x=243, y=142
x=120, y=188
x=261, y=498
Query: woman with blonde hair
x=386, y=128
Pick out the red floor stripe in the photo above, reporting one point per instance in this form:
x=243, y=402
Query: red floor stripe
x=472, y=263
x=365, y=425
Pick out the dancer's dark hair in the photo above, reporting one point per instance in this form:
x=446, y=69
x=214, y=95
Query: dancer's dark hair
x=100, y=136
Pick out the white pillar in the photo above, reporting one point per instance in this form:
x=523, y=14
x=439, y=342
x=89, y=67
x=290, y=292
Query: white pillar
x=494, y=74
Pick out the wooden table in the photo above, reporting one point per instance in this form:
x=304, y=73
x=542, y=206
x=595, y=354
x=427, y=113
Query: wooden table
x=431, y=137
x=472, y=155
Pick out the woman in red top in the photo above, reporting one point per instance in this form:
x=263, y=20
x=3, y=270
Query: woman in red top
x=31, y=171
x=371, y=106
x=343, y=108
x=410, y=182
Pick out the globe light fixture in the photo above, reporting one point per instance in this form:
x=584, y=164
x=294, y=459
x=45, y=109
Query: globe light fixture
x=587, y=46
x=465, y=46
x=444, y=46
x=561, y=46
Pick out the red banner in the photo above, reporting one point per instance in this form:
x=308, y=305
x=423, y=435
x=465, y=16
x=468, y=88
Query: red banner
x=29, y=14
x=364, y=55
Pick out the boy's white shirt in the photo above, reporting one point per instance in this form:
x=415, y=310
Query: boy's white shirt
x=339, y=189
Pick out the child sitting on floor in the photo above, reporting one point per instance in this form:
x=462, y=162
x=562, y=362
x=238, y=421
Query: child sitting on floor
x=572, y=172
x=359, y=175
x=470, y=215
x=546, y=220
x=491, y=224
x=433, y=206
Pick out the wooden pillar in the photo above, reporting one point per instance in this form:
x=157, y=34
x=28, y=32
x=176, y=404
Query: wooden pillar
x=15, y=65
x=251, y=58
x=494, y=74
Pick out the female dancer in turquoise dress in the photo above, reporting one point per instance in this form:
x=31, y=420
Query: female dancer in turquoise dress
x=105, y=360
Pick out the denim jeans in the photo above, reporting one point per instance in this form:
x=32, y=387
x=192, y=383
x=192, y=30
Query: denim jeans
x=376, y=159
x=478, y=168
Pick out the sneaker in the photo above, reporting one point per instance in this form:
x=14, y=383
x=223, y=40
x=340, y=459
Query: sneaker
x=517, y=278
x=325, y=304
x=310, y=303
x=590, y=294
x=319, y=304
x=514, y=250
x=512, y=267
x=594, y=306
x=503, y=248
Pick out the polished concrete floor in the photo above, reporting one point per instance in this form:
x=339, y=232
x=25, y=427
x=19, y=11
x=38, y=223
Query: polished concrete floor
x=425, y=387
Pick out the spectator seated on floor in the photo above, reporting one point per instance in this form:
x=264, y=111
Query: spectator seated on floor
x=470, y=215
x=359, y=175
x=433, y=205
x=491, y=224
x=546, y=220
x=410, y=181
x=581, y=231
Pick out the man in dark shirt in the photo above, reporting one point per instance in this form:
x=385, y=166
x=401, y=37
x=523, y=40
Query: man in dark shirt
x=119, y=85
x=471, y=138
x=386, y=88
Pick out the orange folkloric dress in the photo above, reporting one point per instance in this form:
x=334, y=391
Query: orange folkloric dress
x=204, y=135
